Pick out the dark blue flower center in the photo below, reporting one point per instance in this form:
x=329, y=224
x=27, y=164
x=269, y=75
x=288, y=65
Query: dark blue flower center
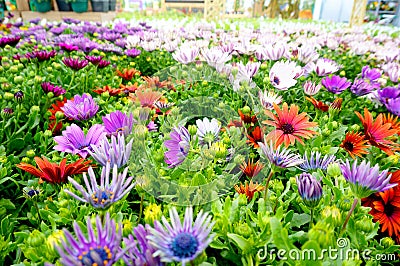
x=96, y=256
x=32, y=193
x=184, y=245
x=102, y=198
x=276, y=80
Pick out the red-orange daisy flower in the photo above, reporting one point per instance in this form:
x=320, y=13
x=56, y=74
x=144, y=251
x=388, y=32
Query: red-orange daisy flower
x=111, y=91
x=387, y=211
x=318, y=104
x=55, y=128
x=249, y=189
x=377, y=131
x=128, y=88
x=247, y=118
x=255, y=137
x=355, y=144
x=56, y=107
x=54, y=173
x=147, y=98
x=235, y=123
x=289, y=125
x=392, y=119
x=336, y=104
x=154, y=82
x=127, y=74
x=251, y=169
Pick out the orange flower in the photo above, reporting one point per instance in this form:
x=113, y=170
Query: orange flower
x=255, y=137
x=55, y=107
x=249, y=189
x=289, y=125
x=128, y=88
x=377, y=131
x=318, y=104
x=154, y=82
x=108, y=89
x=251, y=169
x=54, y=173
x=147, y=98
x=392, y=119
x=336, y=104
x=247, y=119
x=354, y=144
x=127, y=74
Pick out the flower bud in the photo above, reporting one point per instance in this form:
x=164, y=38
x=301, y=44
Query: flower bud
x=355, y=127
x=59, y=115
x=105, y=95
x=333, y=215
x=35, y=109
x=333, y=170
x=127, y=227
x=54, y=240
x=387, y=242
x=239, y=159
x=14, y=69
x=47, y=133
x=30, y=154
x=25, y=160
x=323, y=234
x=345, y=204
x=243, y=229
x=36, y=238
x=277, y=186
x=38, y=79
x=246, y=110
x=8, y=96
x=141, y=132
x=192, y=130
x=366, y=225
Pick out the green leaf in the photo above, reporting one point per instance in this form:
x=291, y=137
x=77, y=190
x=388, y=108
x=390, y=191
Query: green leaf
x=198, y=180
x=241, y=242
x=16, y=144
x=289, y=216
x=300, y=219
x=6, y=203
x=217, y=244
x=310, y=253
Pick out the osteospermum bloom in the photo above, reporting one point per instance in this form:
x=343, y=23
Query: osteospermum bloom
x=316, y=161
x=148, y=97
x=181, y=242
x=371, y=74
x=81, y=107
x=280, y=157
x=376, y=132
x=251, y=169
x=54, y=173
x=311, y=88
x=283, y=75
x=140, y=252
x=324, y=67
x=362, y=87
x=335, y=84
x=269, y=98
x=127, y=74
x=115, y=153
x=178, y=146
x=249, y=189
x=75, y=63
x=56, y=90
x=318, y=104
x=116, y=123
x=254, y=136
x=365, y=180
x=309, y=188
x=95, y=249
x=207, y=130
x=355, y=144
x=73, y=139
x=289, y=125
x=103, y=195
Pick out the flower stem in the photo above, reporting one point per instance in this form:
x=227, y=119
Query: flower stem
x=72, y=79
x=311, y=218
x=349, y=214
x=141, y=207
x=271, y=173
x=38, y=213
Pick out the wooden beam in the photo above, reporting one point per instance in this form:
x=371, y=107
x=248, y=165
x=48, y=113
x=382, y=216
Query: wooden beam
x=358, y=12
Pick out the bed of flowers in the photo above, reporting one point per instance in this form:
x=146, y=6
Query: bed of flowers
x=171, y=143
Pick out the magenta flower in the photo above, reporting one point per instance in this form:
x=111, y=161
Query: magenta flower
x=41, y=55
x=73, y=139
x=68, y=47
x=103, y=64
x=75, y=63
x=372, y=74
x=335, y=84
x=81, y=107
x=56, y=90
x=95, y=60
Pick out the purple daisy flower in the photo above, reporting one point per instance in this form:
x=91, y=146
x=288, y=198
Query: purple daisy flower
x=9, y=40
x=41, y=55
x=335, y=84
x=102, y=248
x=68, y=47
x=75, y=63
x=115, y=153
x=74, y=141
x=104, y=195
x=178, y=146
x=118, y=123
x=361, y=87
x=141, y=252
x=281, y=158
x=181, y=242
x=393, y=106
x=133, y=52
x=56, y=90
x=310, y=189
x=365, y=180
x=103, y=64
x=316, y=162
x=388, y=93
x=372, y=74
x=81, y=107
x=95, y=60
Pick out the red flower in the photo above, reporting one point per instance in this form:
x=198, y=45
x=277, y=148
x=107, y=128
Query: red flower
x=355, y=144
x=54, y=173
x=127, y=74
x=289, y=125
x=249, y=189
x=154, y=82
x=377, y=131
x=392, y=119
x=56, y=108
x=318, y=104
x=255, y=137
x=111, y=91
x=251, y=169
x=247, y=119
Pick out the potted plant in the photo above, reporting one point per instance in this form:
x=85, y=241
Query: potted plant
x=64, y=5
x=79, y=6
x=42, y=5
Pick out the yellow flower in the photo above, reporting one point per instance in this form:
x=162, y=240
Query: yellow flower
x=152, y=213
